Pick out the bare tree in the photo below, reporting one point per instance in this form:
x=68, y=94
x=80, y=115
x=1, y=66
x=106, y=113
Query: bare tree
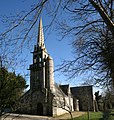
x=108, y=99
x=22, y=24
x=92, y=40
x=90, y=23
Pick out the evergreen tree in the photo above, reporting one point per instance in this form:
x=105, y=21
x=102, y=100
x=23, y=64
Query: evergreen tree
x=11, y=88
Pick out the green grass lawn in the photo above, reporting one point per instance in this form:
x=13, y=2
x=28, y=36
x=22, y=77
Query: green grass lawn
x=96, y=116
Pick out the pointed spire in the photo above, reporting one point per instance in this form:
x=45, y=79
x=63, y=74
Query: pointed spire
x=40, y=40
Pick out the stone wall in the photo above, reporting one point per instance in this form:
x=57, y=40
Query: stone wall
x=85, y=96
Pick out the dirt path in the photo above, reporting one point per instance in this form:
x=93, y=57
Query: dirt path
x=9, y=116
x=33, y=117
x=67, y=116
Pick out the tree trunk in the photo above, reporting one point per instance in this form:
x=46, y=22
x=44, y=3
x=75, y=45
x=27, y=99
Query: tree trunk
x=71, y=115
x=104, y=16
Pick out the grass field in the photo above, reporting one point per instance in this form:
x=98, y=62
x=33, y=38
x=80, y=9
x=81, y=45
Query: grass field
x=97, y=116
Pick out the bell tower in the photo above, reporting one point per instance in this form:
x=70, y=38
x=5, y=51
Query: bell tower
x=41, y=71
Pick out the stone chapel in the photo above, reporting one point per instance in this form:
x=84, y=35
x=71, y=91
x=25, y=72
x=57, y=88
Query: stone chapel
x=45, y=97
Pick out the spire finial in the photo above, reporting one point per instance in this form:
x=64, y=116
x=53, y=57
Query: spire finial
x=40, y=40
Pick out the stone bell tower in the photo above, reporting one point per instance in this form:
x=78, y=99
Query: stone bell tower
x=41, y=71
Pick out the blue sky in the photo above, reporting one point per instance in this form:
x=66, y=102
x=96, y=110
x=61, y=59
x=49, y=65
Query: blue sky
x=59, y=50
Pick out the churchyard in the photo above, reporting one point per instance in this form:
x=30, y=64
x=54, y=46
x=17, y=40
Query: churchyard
x=108, y=115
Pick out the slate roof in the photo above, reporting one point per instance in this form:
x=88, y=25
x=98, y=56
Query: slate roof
x=81, y=91
x=59, y=91
x=65, y=88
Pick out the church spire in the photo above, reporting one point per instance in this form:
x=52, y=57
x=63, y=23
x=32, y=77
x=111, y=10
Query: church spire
x=40, y=41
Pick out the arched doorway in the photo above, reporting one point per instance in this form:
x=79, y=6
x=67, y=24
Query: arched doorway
x=40, y=109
